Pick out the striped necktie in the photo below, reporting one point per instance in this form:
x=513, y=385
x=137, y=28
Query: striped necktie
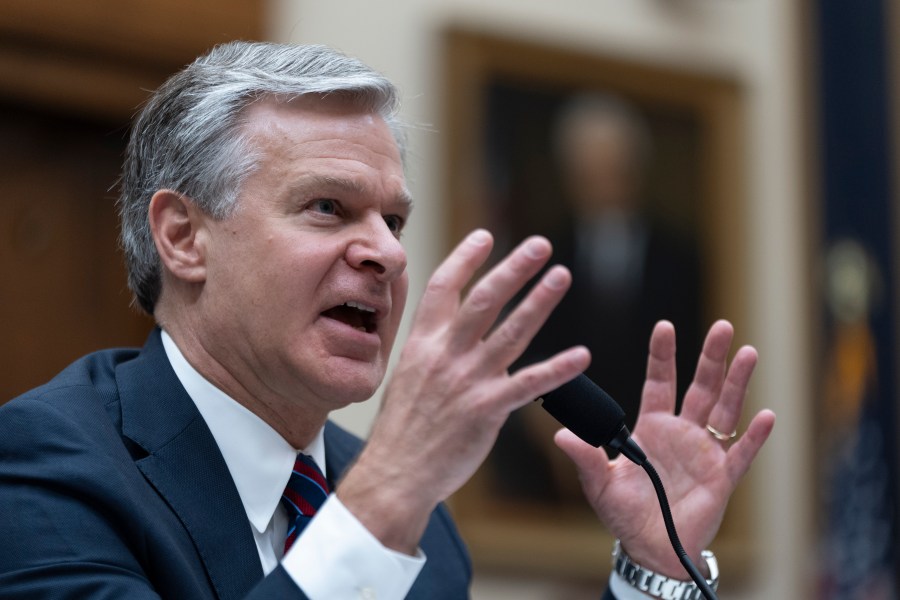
x=305, y=492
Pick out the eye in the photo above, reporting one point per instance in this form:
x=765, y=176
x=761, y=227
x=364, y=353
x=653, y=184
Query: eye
x=395, y=223
x=325, y=206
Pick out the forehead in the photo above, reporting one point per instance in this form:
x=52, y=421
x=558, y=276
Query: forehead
x=322, y=131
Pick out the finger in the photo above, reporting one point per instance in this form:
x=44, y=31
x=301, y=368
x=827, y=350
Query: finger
x=537, y=379
x=659, y=387
x=727, y=411
x=490, y=294
x=710, y=374
x=509, y=340
x=740, y=456
x=592, y=463
x=441, y=297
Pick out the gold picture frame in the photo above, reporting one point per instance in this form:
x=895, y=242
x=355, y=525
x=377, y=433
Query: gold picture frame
x=525, y=537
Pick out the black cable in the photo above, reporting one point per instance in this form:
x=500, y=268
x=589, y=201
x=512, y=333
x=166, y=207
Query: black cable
x=692, y=570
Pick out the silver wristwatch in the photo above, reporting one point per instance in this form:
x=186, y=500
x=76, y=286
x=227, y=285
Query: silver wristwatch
x=660, y=586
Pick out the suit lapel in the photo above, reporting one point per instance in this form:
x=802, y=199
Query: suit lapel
x=186, y=468
x=341, y=449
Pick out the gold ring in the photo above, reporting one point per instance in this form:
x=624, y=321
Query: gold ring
x=722, y=437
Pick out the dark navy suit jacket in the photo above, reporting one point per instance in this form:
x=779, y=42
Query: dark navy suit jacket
x=112, y=486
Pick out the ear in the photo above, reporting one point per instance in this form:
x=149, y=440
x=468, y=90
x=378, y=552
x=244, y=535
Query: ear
x=176, y=222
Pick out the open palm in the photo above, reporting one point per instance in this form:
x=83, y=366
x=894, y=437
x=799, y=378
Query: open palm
x=698, y=470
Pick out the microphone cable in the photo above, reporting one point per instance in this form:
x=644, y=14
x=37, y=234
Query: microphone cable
x=686, y=562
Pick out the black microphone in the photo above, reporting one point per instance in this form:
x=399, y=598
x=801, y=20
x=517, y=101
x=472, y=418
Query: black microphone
x=591, y=414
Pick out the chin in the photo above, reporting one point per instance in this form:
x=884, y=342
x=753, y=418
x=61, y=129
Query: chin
x=352, y=386
x=337, y=381
x=354, y=394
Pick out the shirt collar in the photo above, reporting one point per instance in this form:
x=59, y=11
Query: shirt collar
x=259, y=459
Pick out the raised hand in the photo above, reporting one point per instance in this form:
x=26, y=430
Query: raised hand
x=451, y=390
x=699, y=470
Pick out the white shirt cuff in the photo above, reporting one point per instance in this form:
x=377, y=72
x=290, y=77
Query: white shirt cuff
x=337, y=558
x=622, y=590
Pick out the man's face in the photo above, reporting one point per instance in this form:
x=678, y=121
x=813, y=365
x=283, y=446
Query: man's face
x=601, y=168
x=306, y=281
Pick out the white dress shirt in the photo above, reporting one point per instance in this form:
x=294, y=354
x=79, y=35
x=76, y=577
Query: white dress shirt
x=335, y=557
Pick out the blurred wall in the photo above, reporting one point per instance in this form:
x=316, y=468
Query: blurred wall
x=756, y=43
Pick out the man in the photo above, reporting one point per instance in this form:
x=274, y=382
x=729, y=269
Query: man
x=263, y=199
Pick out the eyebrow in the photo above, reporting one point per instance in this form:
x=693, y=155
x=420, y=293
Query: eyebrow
x=351, y=185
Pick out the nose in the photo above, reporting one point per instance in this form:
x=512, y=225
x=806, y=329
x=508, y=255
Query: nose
x=378, y=249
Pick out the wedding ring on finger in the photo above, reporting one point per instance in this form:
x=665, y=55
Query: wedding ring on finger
x=722, y=437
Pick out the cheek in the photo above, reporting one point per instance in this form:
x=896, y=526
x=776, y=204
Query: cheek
x=300, y=262
x=399, y=291
x=278, y=282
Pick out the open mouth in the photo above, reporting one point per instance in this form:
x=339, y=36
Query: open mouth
x=356, y=315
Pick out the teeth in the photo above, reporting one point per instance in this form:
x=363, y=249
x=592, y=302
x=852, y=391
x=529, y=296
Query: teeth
x=359, y=306
x=363, y=329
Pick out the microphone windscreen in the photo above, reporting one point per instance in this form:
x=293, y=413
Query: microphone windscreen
x=586, y=410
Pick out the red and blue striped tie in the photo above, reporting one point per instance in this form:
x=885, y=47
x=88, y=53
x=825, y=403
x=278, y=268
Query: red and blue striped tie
x=305, y=492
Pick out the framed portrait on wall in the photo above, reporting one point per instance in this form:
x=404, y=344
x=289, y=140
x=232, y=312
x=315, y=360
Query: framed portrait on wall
x=634, y=172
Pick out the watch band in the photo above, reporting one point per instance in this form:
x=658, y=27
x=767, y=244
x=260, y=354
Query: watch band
x=659, y=586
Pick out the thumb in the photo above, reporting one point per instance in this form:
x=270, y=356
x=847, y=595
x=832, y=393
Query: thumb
x=592, y=463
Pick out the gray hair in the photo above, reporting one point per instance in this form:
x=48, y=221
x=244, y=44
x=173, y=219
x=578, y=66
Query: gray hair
x=188, y=136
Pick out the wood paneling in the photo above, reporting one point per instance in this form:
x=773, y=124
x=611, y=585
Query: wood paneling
x=99, y=57
x=63, y=292
x=151, y=31
x=71, y=76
